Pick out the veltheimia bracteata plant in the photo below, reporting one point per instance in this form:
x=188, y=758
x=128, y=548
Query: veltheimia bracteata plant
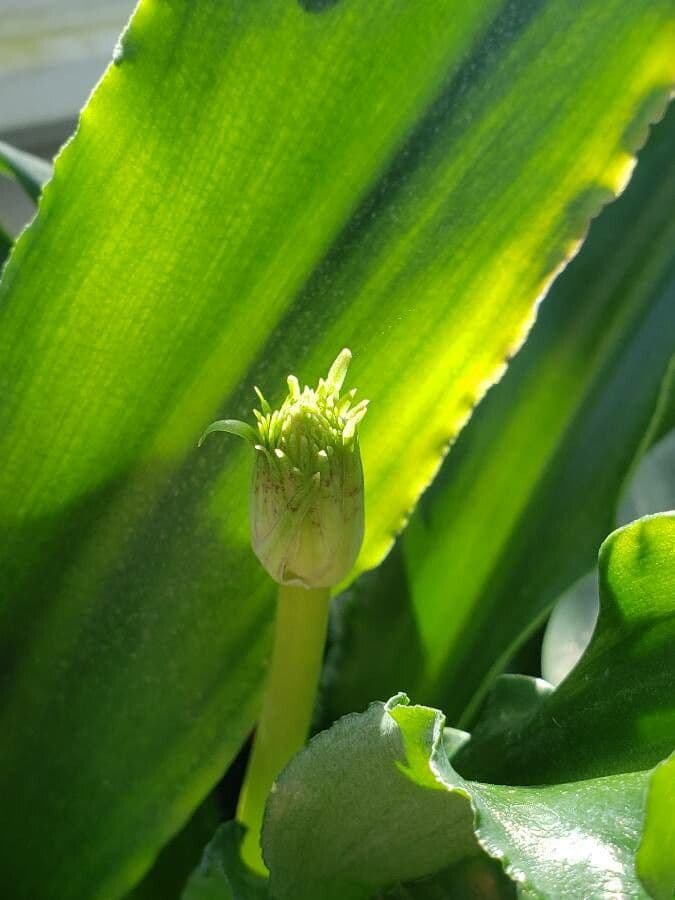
x=307, y=520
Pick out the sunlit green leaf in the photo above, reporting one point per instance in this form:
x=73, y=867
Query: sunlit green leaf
x=615, y=712
x=252, y=187
x=530, y=489
x=651, y=489
x=361, y=808
x=656, y=855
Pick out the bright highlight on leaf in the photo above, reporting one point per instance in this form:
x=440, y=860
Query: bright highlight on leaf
x=306, y=500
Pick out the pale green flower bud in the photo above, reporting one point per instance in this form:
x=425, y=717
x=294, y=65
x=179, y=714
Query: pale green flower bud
x=306, y=499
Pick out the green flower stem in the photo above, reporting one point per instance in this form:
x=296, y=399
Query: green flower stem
x=299, y=638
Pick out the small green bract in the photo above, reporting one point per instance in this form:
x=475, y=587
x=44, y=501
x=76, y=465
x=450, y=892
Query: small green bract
x=306, y=498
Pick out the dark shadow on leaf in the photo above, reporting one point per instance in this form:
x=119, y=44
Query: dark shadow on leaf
x=433, y=138
x=99, y=643
x=356, y=673
x=317, y=6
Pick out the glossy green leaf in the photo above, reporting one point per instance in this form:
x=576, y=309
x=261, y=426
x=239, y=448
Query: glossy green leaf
x=30, y=171
x=656, y=855
x=253, y=186
x=568, y=631
x=221, y=874
x=615, y=712
x=374, y=800
x=530, y=489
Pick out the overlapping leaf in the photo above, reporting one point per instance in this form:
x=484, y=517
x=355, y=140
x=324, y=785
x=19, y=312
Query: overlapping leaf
x=253, y=186
x=651, y=489
x=374, y=800
x=624, y=684
x=32, y=172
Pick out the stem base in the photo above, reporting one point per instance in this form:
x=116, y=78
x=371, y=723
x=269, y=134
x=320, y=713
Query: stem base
x=288, y=703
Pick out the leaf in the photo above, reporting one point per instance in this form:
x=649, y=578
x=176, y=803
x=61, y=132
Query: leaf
x=221, y=875
x=5, y=245
x=652, y=488
x=374, y=800
x=179, y=857
x=615, y=712
x=570, y=627
x=30, y=171
x=656, y=855
x=253, y=186
x=530, y=489
x=360, y=808
x=477, y=878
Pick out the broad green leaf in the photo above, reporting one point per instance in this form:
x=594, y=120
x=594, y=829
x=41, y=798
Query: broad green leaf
x=361, y=808
x=374, y=800
x=615, y=712
x=530, y=489
x=221, y=875
x=30, y=171
x=253, y=186
x=656, y=854
x=570, y=627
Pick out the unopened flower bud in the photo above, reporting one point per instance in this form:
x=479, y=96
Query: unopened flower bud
x=306, y=499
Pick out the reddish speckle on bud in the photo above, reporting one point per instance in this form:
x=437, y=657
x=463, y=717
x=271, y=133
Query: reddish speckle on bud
x=306, y=498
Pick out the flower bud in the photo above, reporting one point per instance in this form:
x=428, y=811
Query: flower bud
x=306, y=499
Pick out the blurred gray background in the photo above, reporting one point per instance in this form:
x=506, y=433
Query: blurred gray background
x=52, y=53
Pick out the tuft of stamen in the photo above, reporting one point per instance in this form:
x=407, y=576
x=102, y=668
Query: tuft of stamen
x=306, y=503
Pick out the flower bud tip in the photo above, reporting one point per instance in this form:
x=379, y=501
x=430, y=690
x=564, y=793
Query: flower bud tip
x=306, y=499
